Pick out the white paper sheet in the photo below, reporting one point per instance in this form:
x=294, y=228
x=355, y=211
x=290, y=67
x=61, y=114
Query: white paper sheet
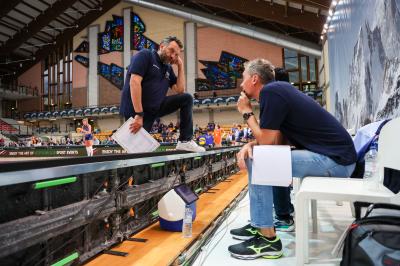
x=142, y=141
x=272, y=165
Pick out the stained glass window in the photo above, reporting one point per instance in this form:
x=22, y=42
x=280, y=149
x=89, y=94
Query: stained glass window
x=222, y=74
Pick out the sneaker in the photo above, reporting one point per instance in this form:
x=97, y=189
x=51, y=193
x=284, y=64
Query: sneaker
x=189, y=146
x=286, y=225
x=244, y=233
x=256, y=247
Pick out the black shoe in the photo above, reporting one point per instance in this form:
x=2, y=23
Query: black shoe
x=286, y=225
x=245, y=232
x=256, y=247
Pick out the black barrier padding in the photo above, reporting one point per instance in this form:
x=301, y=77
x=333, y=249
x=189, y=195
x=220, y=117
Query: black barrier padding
x=66, y=194
x=20, y=201
x=199, y=162
x=25, y=257
x=140, y=174
x=189, y=163
x=65, y=244
x=96, y=182
x=158, y=172
x=98, y=233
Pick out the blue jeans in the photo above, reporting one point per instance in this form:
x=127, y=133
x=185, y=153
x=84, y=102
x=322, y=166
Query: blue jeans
x=304, y=163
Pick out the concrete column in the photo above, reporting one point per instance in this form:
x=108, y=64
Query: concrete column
x=211, y=115
x=93, y=84
x=127, y=38
x=190, y=56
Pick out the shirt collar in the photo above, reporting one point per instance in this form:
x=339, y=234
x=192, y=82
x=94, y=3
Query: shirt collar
x=157, y=56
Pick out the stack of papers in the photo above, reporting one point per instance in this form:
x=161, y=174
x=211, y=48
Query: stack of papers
x=139, y=142
x=272, y=165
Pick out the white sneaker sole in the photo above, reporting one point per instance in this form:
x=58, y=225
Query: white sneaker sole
x=243, y=238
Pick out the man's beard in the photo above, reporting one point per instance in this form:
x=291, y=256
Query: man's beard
x=164, y=58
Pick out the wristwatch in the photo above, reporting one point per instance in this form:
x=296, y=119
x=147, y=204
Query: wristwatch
x=141, y=114
x=246, y=116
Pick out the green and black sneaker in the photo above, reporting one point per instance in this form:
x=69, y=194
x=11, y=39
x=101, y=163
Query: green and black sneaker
x=245, y=232
x=256, y=247
x=284, y=225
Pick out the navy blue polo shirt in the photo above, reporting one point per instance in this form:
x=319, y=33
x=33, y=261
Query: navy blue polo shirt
x=157, y=78
x=304, y=122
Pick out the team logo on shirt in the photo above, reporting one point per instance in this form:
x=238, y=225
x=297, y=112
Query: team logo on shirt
x=167, y=75
x=154, y=65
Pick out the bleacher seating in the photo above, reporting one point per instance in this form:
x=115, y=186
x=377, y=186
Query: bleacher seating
x=206, y=99
x=11, y=126
x=5, y=127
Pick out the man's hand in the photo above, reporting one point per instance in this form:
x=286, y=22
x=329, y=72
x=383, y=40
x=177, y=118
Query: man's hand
x=178, y=61
x=243, y=104
x=245, y=152
x=136, y=124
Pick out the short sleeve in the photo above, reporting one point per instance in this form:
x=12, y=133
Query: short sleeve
x=273, y=110
x=172, y=77
x=139, y=63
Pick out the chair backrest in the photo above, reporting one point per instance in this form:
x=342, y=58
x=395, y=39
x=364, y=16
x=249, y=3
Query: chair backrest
x=389, y=150
x=389, y=145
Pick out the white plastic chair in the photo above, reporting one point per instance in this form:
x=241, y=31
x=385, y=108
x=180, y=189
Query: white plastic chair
x=345, y=189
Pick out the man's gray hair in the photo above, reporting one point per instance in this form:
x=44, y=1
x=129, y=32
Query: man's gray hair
x=169, y=39
x=262, y=67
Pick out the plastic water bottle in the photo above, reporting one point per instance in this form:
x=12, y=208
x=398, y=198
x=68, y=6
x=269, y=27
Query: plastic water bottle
x=187, y=223
x=371, y=175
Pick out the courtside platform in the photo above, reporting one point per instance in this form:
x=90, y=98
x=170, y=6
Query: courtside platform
x=63, y=211
x=160, y=247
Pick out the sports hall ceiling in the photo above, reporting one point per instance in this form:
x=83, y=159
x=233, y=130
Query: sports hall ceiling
x=31, y=29
x=302, y=19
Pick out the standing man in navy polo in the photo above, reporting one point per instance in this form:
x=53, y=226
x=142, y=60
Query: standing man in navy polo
x=148, y=79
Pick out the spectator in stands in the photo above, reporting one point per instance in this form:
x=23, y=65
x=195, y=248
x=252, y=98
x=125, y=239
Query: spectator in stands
x=325, y=149
x=69, y=142
x=209, y=139
x=202, y=140
x=110, y=141
x=281, y=74
x=238, y=134
x=2, y=142
x=96, y=141
x=87, y=130
x=148, y=78
x=218, y=136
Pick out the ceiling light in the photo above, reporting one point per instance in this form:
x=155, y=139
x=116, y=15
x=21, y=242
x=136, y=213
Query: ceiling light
x=330, y=12
x=334, y=3
x=325, y=26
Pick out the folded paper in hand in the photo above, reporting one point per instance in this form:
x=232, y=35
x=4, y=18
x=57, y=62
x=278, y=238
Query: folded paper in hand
x=141, y=141
x=272, y=165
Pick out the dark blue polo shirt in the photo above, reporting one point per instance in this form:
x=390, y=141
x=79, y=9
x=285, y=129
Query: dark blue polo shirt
x=304, y=122
x=157, y=78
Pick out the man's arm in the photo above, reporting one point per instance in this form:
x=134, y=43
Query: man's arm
x=135, y=84
x=265, y=136
x=179, y=87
